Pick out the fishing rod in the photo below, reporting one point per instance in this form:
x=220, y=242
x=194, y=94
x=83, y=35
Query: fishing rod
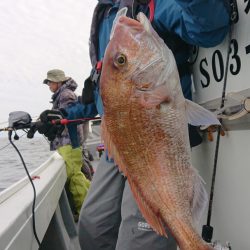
x=33, y=126
x=207, y=229
x=66, y=121
x=20, y=120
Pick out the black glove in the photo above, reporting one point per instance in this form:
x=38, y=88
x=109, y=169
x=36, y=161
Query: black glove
x=44, y=126
x=195, y=138
x=88, y=91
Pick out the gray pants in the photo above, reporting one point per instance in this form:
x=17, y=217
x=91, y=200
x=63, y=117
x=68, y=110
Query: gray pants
x=110, y=218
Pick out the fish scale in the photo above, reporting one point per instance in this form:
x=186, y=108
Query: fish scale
x=146, y=133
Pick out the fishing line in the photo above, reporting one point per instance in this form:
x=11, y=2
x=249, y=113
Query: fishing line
x=21, y=137
x=10, y=143
x=5, y=146
x=33, y=186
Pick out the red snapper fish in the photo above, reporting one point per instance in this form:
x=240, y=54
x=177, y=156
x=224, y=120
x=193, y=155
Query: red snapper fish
x=145, y=129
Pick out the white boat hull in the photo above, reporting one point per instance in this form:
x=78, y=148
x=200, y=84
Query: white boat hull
x=231, y=205
x=16, y=231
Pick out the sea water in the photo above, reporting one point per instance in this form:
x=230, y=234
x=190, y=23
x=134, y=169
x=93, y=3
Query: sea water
x=34, y=152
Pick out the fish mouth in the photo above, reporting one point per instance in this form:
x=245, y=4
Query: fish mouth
x=122, y=12
x=136, y=26
x=143, y=20
x=121, y=16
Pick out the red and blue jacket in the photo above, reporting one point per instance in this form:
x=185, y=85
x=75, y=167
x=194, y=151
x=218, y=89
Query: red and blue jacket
x=181, y=24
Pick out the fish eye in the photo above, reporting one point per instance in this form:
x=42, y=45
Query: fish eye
x=120, y=60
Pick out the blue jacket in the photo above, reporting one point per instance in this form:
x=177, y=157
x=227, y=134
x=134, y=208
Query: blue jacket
x=196, y=22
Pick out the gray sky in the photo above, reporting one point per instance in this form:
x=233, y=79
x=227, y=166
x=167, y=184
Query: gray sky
x=38, y=35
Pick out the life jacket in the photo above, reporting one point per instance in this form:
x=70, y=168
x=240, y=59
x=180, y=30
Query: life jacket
x=134, y=6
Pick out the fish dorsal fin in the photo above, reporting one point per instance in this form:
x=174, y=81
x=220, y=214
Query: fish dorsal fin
x=199, y=116
x=151, y=217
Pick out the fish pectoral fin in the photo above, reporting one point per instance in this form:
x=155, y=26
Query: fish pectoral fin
x=199, y=116
x=150, y=216
x=153, y=98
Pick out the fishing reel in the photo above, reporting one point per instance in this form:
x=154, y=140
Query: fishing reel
x=20, y=120
x=31, y=132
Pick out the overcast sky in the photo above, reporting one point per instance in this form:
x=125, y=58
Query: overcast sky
x=36, y=36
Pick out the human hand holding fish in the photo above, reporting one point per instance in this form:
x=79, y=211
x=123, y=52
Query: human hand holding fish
x=145, y=130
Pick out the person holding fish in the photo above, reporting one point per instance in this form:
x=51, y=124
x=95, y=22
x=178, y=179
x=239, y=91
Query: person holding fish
x=145, y=193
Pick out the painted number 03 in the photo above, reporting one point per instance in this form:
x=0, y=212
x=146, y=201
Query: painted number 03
x=218, y=65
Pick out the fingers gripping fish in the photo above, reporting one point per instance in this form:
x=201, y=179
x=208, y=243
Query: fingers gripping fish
x=145, y=130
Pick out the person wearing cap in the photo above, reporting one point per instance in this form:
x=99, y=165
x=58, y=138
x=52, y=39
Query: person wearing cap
x=63, y=89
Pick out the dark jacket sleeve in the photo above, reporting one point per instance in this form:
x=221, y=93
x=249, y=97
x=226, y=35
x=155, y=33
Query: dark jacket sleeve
x=76, y=111
x=198, y=22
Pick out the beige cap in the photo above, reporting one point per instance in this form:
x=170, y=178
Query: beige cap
x=55, y=75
